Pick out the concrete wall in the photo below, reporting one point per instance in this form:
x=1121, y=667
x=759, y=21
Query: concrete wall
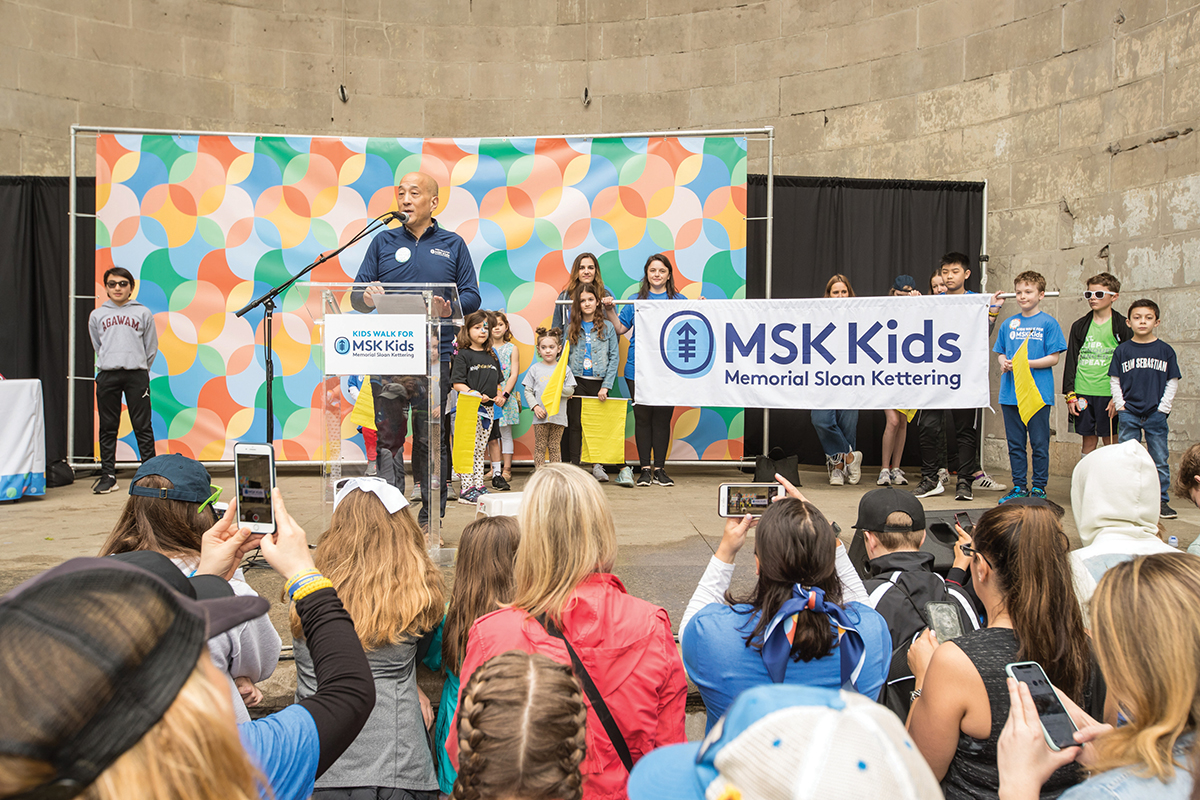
x=1080, y=114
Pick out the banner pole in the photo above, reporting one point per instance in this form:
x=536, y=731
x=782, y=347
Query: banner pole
x=766, y=429
x=71, y=245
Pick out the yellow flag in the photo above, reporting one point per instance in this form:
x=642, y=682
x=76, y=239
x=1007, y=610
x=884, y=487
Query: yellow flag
x=466, y=419
x=603, y=424
x=1029, y=398
x=363, y=412
x=909, y=413
x=552, y=395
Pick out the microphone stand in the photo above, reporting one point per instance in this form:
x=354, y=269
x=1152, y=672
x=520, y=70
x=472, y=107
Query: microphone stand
x=267, y=301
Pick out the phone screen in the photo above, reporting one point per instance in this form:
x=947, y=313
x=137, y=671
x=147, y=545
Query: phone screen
x=1055, y=720
x=254, y=488
x=748, y=498
x=943, y=618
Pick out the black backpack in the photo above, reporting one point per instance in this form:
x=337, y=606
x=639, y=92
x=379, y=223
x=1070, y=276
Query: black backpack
x=59, y=473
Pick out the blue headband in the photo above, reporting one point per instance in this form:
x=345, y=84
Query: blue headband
x=780, y=634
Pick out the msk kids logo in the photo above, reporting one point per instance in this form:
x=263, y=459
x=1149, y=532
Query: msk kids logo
x=687, y=344
x=341, y=345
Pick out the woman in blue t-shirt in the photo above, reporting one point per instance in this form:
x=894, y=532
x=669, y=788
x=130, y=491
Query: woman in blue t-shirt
x=793, y=627
x=651, y=424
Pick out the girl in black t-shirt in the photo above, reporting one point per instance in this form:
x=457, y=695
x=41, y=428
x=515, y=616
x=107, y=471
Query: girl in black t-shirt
x=475, y=370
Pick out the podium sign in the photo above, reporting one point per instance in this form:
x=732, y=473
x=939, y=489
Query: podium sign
x=376, y=344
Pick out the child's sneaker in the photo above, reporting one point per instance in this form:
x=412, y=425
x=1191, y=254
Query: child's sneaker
x=415, y=494
x=468, y=497
x=499, y=483
x=837, y=476
x=625, y=477
x=599, y=474
x=885, y=477
x=963, y=492
x=1166, y=512
x=1037, y=493
x=372, y=470
x=1014, y=493
x=943, y=476
x=928, y=487
x=985, y=482
x=854, y=468
x=898, y=478
x=646, y=478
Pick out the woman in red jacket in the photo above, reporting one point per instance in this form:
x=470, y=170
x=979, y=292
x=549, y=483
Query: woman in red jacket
x=624, y=644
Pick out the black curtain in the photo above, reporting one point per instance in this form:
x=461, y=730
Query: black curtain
x=870, y=231
x=34, y=233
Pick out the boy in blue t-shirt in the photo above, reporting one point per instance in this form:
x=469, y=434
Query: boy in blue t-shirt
x=1144, y=375
x=1046, y=344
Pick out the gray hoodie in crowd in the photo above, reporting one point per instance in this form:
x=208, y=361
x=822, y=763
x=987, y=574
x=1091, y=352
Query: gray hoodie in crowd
x=124, y=337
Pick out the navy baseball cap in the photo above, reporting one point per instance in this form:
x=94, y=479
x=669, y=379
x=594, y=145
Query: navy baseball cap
x=190, y=481
x=904, y=283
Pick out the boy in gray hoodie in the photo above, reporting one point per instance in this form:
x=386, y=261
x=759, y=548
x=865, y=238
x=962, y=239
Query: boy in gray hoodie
x=126, y=343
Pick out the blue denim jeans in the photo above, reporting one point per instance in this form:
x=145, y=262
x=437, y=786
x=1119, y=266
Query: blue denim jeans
x=837, y=430
x=1038, y=434
x=1154, y=425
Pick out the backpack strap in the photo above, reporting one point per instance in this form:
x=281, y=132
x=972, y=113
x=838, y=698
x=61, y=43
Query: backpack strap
x=593, y=695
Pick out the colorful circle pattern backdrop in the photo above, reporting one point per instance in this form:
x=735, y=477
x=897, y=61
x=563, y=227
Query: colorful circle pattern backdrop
x=206, y=223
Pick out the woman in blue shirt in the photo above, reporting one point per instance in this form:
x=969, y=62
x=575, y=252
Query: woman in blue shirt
x=651, y=424
x=793, y=627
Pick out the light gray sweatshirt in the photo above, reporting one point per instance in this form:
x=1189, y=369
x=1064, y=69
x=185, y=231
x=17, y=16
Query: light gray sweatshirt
x=537, y=378
x=123, y=337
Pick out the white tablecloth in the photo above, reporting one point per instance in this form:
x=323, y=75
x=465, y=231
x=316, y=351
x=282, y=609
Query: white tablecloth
x=22, y=439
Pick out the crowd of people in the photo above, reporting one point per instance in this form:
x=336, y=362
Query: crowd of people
x=131, y=674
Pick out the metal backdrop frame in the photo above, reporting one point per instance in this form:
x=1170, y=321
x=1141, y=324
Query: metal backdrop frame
x=765, y=133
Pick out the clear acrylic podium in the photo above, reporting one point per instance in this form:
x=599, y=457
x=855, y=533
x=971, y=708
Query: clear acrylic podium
x=380, y=328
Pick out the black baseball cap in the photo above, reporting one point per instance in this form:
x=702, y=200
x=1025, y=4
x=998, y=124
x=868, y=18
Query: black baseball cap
x=96, y=652
x=196, y=587
x=904, y=283
x=877, y=505
x=190, y=481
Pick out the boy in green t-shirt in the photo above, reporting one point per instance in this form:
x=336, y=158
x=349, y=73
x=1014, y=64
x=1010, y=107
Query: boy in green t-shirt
x=1094, y=337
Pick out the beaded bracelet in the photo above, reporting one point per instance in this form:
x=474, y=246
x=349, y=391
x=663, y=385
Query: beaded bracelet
x=309, y=588
x=299, y=575
x=305, y=581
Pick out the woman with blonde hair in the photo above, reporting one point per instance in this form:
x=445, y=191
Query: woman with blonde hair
x=1022, y=575
x=567, y=605
x=1147, y=638
x=374, y=555
x=522, y=732
x=109, y=692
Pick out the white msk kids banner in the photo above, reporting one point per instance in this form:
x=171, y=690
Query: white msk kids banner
x=829, y=353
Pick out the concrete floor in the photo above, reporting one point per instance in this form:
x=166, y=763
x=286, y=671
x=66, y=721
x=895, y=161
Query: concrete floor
x=665, y=535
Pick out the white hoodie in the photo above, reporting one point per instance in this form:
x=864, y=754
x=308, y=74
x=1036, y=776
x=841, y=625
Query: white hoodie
x=1115, y=498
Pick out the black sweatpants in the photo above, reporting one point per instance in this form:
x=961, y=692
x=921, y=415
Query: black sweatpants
x=651, y=430
x=573, y=444
x=134, y=384
x=932, y=432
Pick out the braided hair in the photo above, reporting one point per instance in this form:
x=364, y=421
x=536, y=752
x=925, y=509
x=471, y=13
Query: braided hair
x=521, y=731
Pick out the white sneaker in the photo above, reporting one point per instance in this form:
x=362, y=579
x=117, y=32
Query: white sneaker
x=837, y=476
x=984, y=481
x=943, y=476
x=599, y=474
x=854, y=468
x=898, y=478
x=885, y=477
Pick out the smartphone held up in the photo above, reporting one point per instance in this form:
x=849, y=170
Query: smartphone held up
x=1057, y=725
x=254, y=472
x=740, y=499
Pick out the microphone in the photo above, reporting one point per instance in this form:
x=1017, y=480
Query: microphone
x=399, y=216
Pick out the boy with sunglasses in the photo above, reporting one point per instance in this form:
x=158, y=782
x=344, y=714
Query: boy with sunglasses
x=126, y=342
x=1094, y=337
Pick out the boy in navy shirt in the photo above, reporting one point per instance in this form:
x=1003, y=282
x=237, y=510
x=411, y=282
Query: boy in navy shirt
x=1144, y=375
x=1046, y=344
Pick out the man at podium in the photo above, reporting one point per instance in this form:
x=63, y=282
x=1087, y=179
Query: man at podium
x=421, y=251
